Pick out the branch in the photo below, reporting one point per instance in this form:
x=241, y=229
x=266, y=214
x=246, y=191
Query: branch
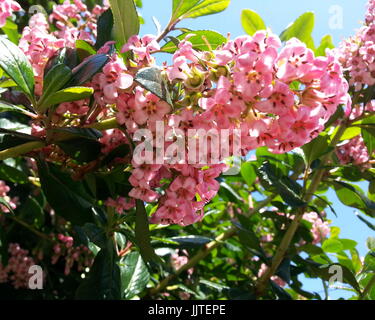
x=207, y=249
x=287, y=239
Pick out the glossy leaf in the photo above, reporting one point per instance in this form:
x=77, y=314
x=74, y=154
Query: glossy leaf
x=67, y=95
x=126, y=22
x=104, y=279
x=301, y=29
x=14, y=62
x=252, y=22
x=183, y=9
x=105, y=26
x=134, y=275
x=151, y=79
x=87, y=69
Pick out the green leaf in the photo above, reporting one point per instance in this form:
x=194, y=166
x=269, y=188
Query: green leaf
x=79, y=143
x=87, y=69
x=60, y=134
x=134, y=275
x=105, y=26
x=287, y=188
x=332, y=245
x=84, y=49
x=80, y=149
x=95, y=234
x=353, y=196
x=67, y=197
x=350, y=133
x=325, y=43
x=316, y=148
x=14, y=62
x=104, y=279
x=183, y=9
x=12, y=174
x=301, y=29
x=6, y=107
x=187, y=242
x=248, y=173
x=56, y=78
x=11, y=30
x=151, y=79
x=215, y=40
x=126, y=22
x=368, y=133
x=142, y=234
x=67, y=95
x=252, y=22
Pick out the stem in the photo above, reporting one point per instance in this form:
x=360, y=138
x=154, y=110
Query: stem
x=367, y=288
x=29, y=227
x=287, y=239
x=167, y=29
x=21, y=149
x=207, y=249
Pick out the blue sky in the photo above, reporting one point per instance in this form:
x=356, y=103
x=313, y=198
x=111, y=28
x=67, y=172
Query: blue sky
x=277, y=15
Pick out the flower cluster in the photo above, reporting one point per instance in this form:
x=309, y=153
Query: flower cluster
x=75, y=22
x=7, y=7
x=64, y=247
x=17, y=269
x=275, y=97
x=320, y=229
x=357, y=54
x=353, y=151
x=12, y=202
x=39, y=45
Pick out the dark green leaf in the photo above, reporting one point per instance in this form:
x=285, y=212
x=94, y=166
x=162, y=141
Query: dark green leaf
x=104, y=279
x=105, y=26
x=151, y=79
x=67, y=197
x=87, y=69
x=134, y=275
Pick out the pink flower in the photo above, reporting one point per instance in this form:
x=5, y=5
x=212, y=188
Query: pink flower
x=142, y=47
x=7, y=7
x=149, y=107
x=294, y=61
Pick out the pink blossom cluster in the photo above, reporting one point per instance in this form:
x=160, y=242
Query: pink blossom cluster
x=120, y=204
x=276, y=97
x=75, y=22
x=280, y=282
x=17, y=269
x=180, y=258
x=354, y=151
x=39, y=45
x=12, y=202
x=320, y=229
x=7, y=7
x=65, y=248
x=357, y=54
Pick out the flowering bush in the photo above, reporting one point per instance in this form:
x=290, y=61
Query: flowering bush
x=120, y=173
